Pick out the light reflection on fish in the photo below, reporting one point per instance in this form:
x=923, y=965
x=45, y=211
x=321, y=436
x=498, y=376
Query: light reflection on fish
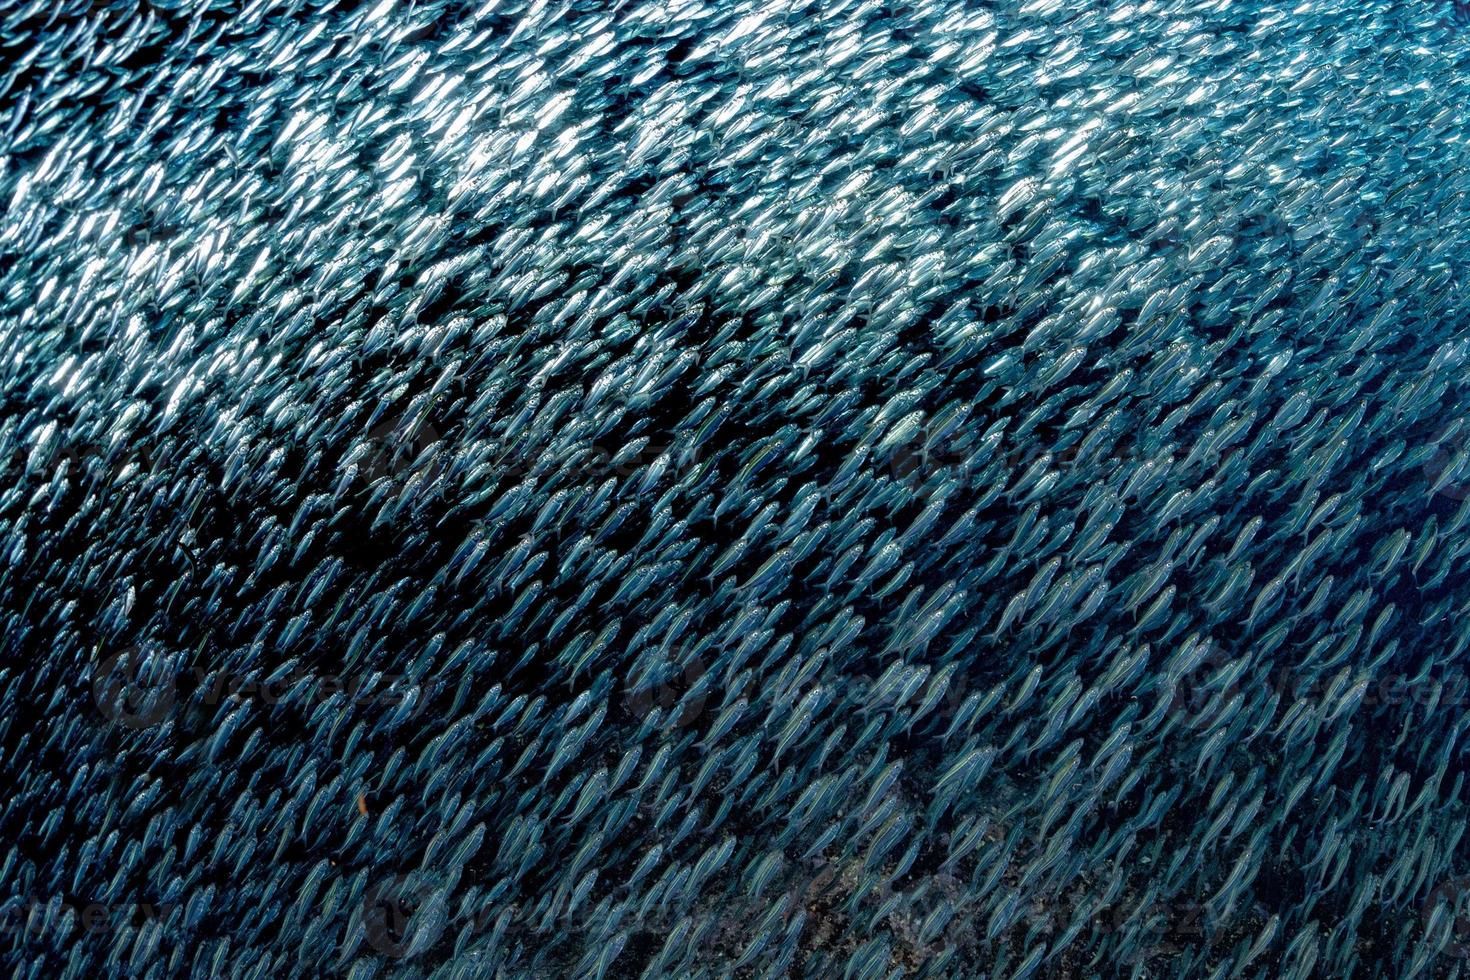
x=713, y=489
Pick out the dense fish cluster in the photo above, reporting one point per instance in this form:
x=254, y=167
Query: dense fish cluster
x=727, y=488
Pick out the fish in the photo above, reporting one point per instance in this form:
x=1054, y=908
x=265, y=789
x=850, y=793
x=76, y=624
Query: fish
x=718, y=489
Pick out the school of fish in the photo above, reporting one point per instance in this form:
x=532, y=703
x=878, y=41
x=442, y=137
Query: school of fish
x=734, y=488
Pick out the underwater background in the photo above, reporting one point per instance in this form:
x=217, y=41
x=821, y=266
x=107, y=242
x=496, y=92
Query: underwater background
x=615, y=488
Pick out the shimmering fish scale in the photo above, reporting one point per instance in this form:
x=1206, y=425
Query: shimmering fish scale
x=530, y=489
